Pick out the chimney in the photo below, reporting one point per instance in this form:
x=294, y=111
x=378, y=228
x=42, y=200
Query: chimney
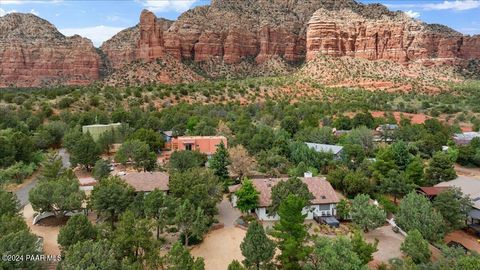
x=307, y=174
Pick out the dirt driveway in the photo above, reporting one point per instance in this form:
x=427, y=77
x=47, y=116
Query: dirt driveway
x=48, y=233
x=388, y=243
x=220, y=247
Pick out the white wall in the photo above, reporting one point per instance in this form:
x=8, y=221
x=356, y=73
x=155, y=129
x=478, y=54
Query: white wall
x=310, y=211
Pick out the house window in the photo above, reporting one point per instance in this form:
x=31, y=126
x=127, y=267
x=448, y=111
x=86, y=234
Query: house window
x=188, y=146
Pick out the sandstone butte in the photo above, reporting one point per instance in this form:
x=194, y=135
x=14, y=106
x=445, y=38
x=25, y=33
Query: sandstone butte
x=34, y=53
x=396, y=37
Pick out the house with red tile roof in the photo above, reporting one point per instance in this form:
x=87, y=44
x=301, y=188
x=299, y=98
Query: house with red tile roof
x=323, y=204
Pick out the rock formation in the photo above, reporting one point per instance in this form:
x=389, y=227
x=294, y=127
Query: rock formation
x=229, y=30
x=226, y=38
x=393, y=36
x=34, y=53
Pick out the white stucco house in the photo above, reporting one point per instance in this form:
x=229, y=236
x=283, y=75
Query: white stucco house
x=323, y=204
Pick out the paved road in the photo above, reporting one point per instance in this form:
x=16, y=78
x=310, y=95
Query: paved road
x=22, y=193
x=227, y=214
x=65, y=157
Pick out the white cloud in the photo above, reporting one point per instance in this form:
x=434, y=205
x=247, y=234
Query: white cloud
x=457, y=5
x=112, y=18
x=34, y=12
x=412, y=14
x=97, y=34
x=4, y=12
x=24, y=2
x=167, y=5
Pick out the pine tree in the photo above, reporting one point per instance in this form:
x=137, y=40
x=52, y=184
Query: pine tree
x=235, y=265
x=179, y=258
x=363, y=249
x=220, y=161
x=191, y=221
x=291, y=232
x=78, y=229
x=256, y=247
x=416, y=247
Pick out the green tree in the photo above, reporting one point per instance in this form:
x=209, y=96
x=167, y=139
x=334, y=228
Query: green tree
x=356, y=183
x=182, y=161
x=20, y=243
x=247, y=196
x=57, y=196
x=363, y=249
x=153, y=139
x=316, y=135
x=90, y=255
x=191, y=222
x=256, y=247
x=133, y=238
x=101, y=169
x=160, y=208
x=106, y=140
x=235, y=265
x=293, y=186
x=290, y=124
x=179, y=258
x=52, y=167
x=363, y=120
x=272, y=162
x=343, y=209
x=416, y=247
x=440, y=169
x=454, y=206
x=416, y=212
x=220, y=161
x=138, y=153
x=401, y=155
x=353, y=155
x=415, y=172
x=71, y=138
x=336, y=177
x=361, y=136
x=10, y=205
x=395, y=183
x=334, y=254
x=200, y=186
x=291, y=232
x=77, y=229
x=367, y=216
x=12, y=224
x=85, y=151
x=111, y=197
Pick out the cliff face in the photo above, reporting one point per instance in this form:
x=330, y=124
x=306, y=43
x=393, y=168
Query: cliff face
x=33, y=53
x=224, y=38
x=396, y=37
x=232, y=31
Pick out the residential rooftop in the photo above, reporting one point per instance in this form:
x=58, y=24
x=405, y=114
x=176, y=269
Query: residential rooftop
x=147, y=181
x=320, y=188
x=334, y=149
x=468, y=185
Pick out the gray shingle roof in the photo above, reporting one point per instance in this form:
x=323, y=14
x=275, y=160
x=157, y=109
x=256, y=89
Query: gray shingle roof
x=334, y=149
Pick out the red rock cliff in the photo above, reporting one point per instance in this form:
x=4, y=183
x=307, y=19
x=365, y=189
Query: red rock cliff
x=230, y=30
x=397, y=38
x=33, y=53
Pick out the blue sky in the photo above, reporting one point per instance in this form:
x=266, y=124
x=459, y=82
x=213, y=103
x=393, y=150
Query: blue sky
x=99, y=20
